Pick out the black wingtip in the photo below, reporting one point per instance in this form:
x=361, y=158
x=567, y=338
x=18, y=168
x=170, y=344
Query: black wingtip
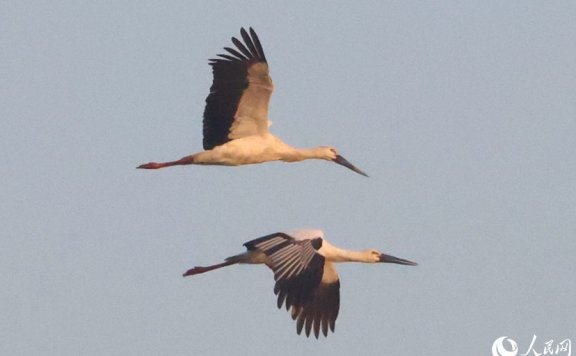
x=258, y=45
x=247, y=49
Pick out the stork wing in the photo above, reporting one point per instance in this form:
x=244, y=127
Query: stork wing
x=322, y=309
x=304, y=281
x=237, y=105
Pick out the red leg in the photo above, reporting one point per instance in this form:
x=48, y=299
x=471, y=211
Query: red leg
x=200, y=269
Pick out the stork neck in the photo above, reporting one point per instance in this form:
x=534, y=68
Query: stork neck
x=300, y=154
x=351, y=256
x=336, y=254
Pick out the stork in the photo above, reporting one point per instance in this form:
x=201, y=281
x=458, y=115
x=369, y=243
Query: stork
x=235, y=125
x=306, y=281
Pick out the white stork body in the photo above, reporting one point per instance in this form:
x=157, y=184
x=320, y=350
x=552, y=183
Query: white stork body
x=253, y=149
x=236, y=115
x=306, y=281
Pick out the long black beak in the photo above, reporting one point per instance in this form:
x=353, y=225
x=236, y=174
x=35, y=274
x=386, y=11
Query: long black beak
x=344, y=162
x=400, y=261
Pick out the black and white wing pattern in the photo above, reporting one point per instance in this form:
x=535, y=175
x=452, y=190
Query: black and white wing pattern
x=237, y=105
x=322, y=310
x=305, y=283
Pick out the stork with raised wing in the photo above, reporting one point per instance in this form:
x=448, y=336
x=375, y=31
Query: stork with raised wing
x=306, y=281
x=236, y=121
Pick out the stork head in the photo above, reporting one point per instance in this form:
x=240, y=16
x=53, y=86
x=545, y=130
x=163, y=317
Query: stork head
x=330, y=154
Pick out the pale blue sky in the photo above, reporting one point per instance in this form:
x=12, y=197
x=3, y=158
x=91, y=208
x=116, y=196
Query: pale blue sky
x=462, y=113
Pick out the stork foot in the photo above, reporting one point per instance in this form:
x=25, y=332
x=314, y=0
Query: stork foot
x=195, y=270
x=151, y=165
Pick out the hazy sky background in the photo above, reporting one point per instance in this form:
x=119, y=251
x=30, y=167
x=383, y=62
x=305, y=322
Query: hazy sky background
x=462, y=113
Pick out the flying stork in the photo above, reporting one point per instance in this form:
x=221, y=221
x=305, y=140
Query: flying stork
x=235, y=125
x=306, y=281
